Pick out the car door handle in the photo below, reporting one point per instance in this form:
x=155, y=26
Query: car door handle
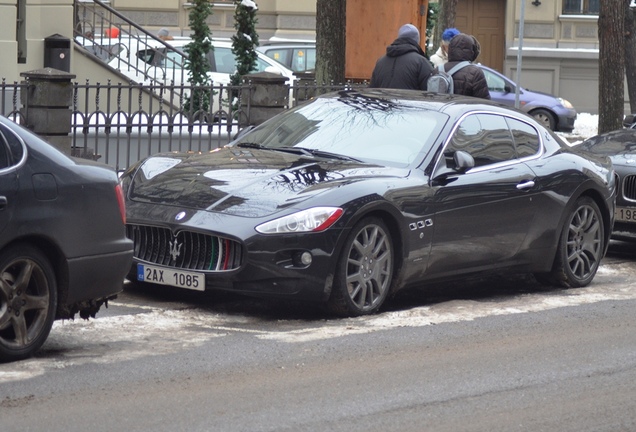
x=529, y=184
x=3, y=202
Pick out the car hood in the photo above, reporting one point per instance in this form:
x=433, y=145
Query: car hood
x=533, y=98
x=244, y=182
x=619, y=145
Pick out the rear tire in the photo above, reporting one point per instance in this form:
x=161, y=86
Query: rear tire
x=580, y=248
x=364, y=274
x=28, y=301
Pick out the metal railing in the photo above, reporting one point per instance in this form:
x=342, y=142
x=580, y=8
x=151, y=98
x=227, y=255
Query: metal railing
x=10, y=101
x=119, y=124
x=125, y=46
x=126, y=125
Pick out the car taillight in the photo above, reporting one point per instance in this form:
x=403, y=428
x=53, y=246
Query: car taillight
x=120, y=200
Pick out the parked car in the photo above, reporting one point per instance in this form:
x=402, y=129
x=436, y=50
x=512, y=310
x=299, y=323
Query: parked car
x=297, y=56
x=620, y=147
x=552, y=112
x=356, y=194
x=63, y=245
x=153, y=61
x=160, y=63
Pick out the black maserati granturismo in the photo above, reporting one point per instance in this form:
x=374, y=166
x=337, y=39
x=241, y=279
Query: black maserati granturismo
x=358, y=193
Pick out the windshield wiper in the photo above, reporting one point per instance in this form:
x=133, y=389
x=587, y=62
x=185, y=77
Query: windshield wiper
x=295, y=150
x=326, y=154
x=252, y=145
x=299, y=150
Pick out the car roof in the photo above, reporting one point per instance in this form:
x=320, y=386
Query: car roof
x=452, y=104
x=279, y=45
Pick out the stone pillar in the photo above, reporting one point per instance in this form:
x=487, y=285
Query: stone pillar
x=305, y=88
x=47, y=104
x=268, y=95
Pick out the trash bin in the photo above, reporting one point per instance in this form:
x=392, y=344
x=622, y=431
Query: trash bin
x=57, y=52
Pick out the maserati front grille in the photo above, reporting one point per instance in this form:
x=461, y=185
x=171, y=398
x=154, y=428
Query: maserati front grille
x=185, y=249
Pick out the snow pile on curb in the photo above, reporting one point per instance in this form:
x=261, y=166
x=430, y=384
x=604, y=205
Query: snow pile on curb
x=585, y=126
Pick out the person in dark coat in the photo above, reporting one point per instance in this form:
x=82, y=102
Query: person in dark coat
x=405, y=65
x=470, y=80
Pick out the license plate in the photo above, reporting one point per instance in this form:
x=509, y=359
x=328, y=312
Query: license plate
x=625, y=214
x=172, y=277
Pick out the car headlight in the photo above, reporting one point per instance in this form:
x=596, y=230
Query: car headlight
x=566, y=103
x=310, y=220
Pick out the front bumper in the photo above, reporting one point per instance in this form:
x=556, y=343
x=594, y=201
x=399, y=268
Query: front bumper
x=566, y=120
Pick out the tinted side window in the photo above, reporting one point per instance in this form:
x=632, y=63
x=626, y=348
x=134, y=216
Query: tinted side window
x=303, y=59
x=525, y=137
x=148, y=56
x=5, y=159
x=224, y=61
x=281, y=55
x=495, y=83
x=11, y=148
x=173, y=60
x=261, y=65
x=485, y=137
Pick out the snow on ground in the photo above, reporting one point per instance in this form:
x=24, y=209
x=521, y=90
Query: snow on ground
x=586, y=125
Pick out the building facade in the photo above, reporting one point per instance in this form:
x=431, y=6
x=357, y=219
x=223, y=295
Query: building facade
x=559, y=51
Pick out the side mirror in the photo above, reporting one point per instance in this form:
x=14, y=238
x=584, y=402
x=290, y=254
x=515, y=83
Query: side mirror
x=462, y=162
x=507, y=89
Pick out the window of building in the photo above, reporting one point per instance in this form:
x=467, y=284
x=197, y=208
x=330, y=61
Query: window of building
x=581, y=7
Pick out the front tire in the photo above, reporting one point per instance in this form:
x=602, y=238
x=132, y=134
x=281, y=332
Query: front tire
x=364, y=273
x=580, y=248
x=545, y=118
x=28, y=300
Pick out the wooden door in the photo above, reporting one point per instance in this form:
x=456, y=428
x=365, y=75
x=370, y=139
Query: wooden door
x=484, y=19
x=372, y=25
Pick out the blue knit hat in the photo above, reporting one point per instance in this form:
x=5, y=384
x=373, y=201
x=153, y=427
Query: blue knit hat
x=449, y=33
x=409, y=31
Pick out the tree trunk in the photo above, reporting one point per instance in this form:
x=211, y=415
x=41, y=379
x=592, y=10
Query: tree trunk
x=330, y=41
x=446, y=19
x=611, y=35
x=630, y=55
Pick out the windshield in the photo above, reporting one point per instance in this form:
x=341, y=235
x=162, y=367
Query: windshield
x=389, y=132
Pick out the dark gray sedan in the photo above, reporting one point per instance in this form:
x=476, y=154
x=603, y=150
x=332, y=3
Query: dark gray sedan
x=63, y=247
x=620, y=147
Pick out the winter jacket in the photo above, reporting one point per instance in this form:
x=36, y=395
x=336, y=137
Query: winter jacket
x=404, y=66
x=470, y=80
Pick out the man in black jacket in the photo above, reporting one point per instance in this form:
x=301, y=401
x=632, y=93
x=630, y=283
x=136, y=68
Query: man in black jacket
x=405, y=65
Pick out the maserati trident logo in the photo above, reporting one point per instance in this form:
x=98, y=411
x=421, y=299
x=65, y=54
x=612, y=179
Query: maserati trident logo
x=175, y=249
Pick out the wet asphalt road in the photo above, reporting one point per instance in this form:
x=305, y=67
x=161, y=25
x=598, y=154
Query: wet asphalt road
x=495, y=354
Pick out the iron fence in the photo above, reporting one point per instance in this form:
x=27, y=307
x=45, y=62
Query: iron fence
x=10, y=100
x=119, y=124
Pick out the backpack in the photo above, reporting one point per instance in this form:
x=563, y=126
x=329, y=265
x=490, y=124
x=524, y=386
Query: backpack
x=442, y=81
